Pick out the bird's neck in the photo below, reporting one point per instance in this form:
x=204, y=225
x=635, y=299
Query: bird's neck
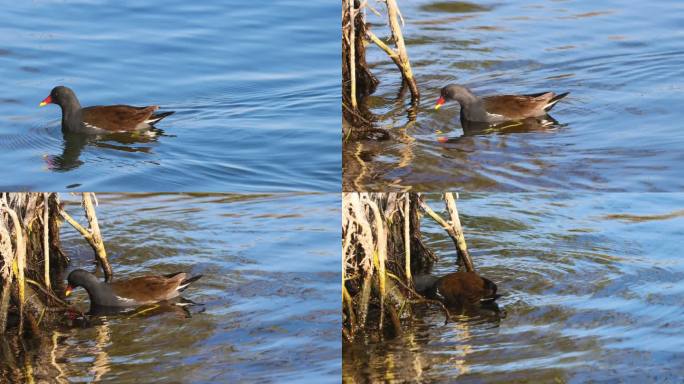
x=475, y=112
x=91, y=287
x=468, y=98
x=95, y=294
x=72, y=115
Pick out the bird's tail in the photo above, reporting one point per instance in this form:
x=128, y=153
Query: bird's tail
x=554, y=100
x=185, y=283
x=157, y=117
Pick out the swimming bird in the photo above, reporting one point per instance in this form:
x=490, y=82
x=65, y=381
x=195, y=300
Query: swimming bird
x=129, y=293
x=498, y=108
x=458, y=289
x=101, y=119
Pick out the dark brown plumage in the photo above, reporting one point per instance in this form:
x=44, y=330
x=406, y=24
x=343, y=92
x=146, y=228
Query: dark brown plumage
x=460, y=289
x=499, y=108
x=129, y=293
x=99, y=119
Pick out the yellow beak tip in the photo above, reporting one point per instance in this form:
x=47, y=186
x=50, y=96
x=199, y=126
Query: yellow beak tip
x=42, y=104
x=437, y=106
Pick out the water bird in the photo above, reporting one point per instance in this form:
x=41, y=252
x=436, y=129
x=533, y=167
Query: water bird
x=134, y=292
x=457, y=289
x=101, y=118
x=498, y=108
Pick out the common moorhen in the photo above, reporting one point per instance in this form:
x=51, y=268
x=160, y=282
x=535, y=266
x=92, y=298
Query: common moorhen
x=459, y=289
x=499, y=108
x=129, y=293
x=101, y=119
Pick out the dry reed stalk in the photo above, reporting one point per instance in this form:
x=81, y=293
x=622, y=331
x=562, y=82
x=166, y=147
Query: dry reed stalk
x=93, y=235
x=380, y=255
x=458, y=231
x=19, y=261
x=366, y=241
x=357, y=79
x=8, y=255
x=30, y=261
x=407, y=238
x=352, y=53
x=46, y=239
x=400, y=56
x=454, y=231
x=377, y=230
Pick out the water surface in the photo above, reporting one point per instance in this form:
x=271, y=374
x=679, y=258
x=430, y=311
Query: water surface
x=591, y=287
x=255, y=88
x=269, y=293
x=619, y=130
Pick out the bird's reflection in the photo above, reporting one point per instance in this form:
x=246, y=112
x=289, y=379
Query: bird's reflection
x=180, y=306
x=73, y=145
x=485, y=311
x=532, y=124
x=97, y=315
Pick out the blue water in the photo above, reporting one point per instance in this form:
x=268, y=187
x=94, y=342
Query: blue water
x=255, y=87
x=269, y=292
x=619, y=130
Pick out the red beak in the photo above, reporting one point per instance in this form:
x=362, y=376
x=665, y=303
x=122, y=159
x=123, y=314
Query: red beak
x=45, y=101
x=440, y=101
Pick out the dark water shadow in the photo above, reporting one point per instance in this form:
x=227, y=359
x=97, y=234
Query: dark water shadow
x=484, y=312
x=454, y=7
x=46, y=356
x=533, y=124
x=73, y=145
x=180, y=307
x=365, y=161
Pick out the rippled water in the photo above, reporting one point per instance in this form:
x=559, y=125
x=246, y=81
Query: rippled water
x=591, y=288
x=270, y=292
x=619, y=130
x=255, y=87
